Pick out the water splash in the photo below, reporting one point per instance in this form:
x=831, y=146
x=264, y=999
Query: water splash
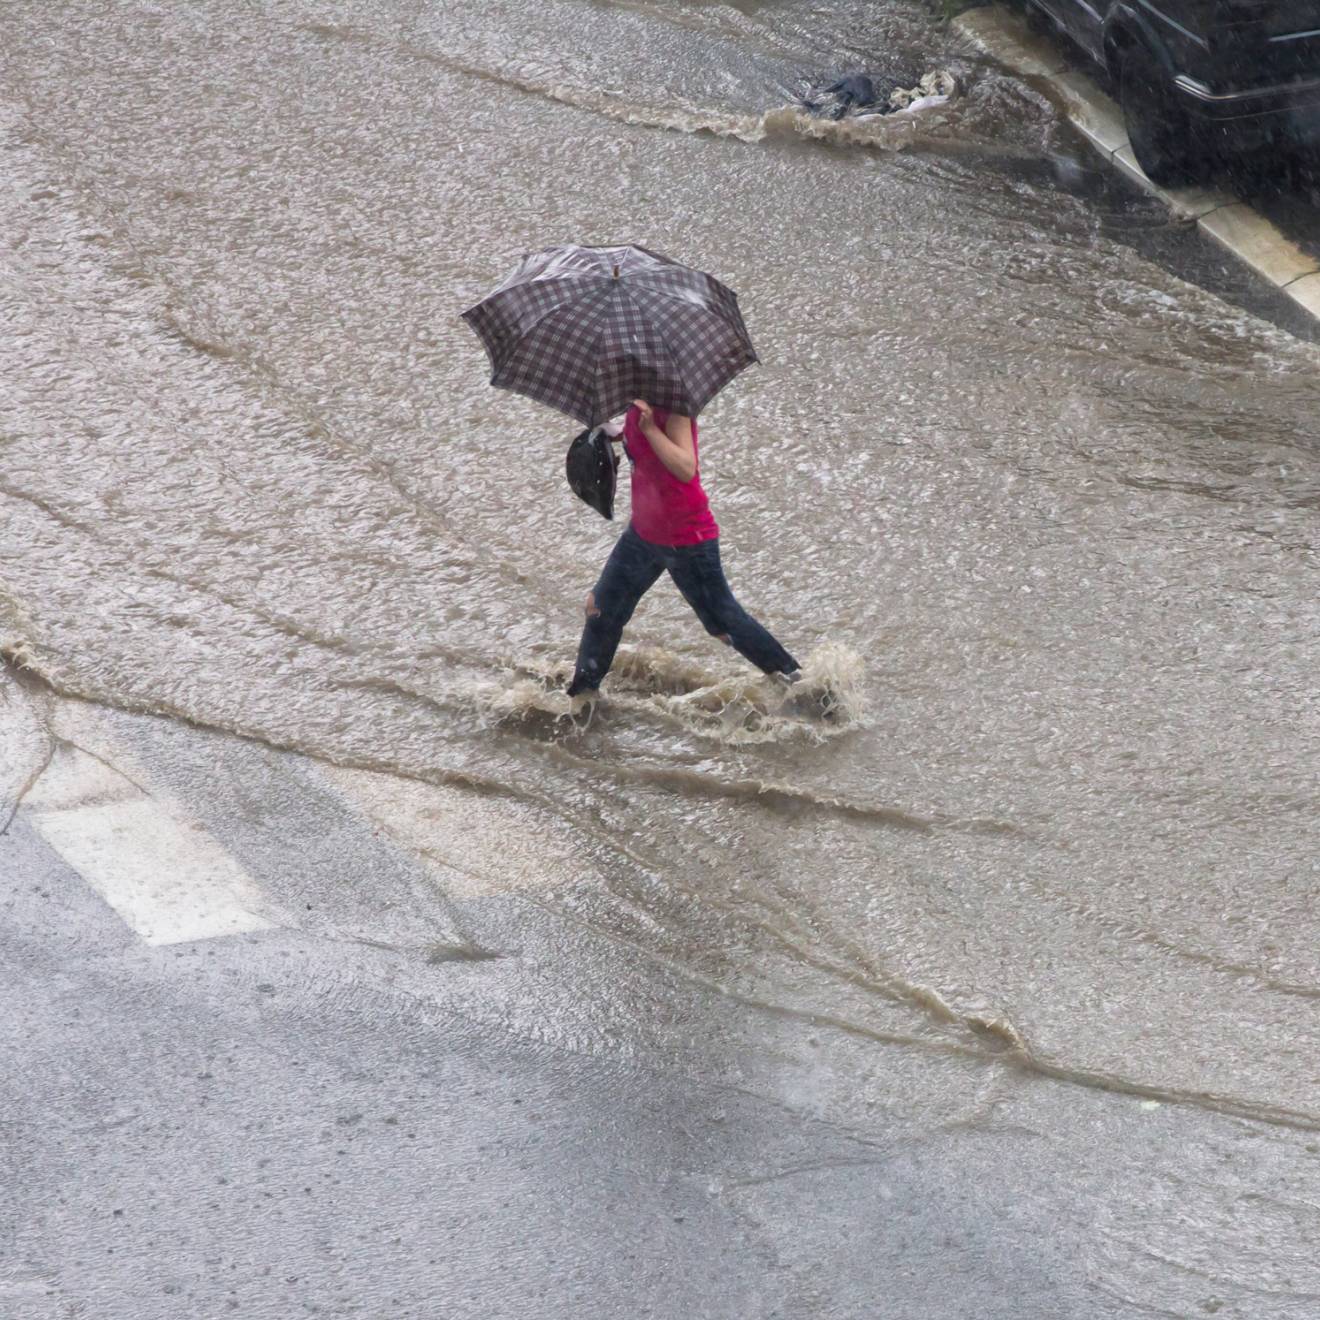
x=728, y=705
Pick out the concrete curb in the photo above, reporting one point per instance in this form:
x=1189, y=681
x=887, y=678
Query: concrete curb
x=1250, y=237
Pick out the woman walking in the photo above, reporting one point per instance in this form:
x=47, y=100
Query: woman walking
x=671, y=530
x=586, y=329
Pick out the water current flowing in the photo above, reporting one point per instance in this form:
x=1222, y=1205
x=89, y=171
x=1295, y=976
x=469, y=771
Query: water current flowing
x=1042, y=513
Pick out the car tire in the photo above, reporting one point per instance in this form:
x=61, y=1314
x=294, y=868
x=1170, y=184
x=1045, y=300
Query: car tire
x=1163, y=136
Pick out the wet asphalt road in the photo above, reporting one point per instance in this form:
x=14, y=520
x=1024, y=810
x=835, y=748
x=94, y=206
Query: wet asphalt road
x=394, y=1091
x=385, y=1105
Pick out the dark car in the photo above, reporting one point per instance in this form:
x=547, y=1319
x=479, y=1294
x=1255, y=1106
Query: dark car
x=1202, y=80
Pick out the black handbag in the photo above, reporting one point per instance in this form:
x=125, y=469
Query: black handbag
x=592, y=468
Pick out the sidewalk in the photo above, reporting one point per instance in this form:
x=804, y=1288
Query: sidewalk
x=1235, y=226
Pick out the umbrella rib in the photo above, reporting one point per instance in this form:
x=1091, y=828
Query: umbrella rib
x=659, y=334
x=734, y=323
x=514, y=344
x=594, y=353
x=595, y=374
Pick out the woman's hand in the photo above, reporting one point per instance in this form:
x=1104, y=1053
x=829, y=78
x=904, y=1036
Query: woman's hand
x=647, y=413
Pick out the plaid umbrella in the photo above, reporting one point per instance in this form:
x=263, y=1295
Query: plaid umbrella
x=588, y=329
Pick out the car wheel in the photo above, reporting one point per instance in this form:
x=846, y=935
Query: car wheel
x=1164, y=139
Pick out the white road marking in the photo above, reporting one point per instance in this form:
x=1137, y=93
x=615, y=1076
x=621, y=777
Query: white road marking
x=163, y=874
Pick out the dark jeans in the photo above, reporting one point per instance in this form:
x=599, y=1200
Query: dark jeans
x=631, y=571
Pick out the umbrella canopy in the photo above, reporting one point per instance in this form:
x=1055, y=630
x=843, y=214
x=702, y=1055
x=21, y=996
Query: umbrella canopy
x=588, y=329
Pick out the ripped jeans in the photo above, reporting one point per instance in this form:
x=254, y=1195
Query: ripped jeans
x=631, y=571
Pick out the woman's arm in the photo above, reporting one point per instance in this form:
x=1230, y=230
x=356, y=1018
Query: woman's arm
x=673, y=446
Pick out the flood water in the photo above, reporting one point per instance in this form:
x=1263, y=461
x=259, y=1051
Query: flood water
x=1046, y=513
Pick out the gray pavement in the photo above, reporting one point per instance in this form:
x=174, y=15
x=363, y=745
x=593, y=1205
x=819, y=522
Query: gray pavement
x=399, y=1097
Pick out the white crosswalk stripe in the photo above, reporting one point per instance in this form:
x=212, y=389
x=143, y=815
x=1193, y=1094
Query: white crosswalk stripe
x=163, y=874
x=115, y=817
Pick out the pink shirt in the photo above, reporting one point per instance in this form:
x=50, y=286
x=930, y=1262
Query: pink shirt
x=665, y=511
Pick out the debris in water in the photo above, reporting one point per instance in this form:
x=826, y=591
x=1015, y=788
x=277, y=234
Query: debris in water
x=862, y=96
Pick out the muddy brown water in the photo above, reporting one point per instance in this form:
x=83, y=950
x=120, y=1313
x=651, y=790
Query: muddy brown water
x=1042, y=512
